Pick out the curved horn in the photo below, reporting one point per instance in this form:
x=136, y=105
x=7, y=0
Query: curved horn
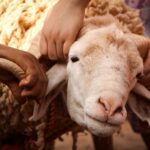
x=142, y=42
x=11, y=67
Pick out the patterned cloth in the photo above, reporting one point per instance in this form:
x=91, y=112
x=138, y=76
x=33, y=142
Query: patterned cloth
x=144, y=6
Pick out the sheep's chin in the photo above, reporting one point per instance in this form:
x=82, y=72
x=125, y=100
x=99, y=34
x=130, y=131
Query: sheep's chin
x=96, y=127
x=99, y=128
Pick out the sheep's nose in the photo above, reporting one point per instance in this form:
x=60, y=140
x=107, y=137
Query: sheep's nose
x=111, y=107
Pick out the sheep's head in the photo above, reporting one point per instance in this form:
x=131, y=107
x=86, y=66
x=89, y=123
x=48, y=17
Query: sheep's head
x=102, y=69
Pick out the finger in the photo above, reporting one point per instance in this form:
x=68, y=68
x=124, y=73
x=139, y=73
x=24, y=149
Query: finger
x=43, y=45
x=59, y=46
x=29, y=81
x=29, y=93
x=66, y=48
x=35, y=92
x=52, y=54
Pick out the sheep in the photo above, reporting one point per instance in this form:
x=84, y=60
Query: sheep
x=118, y=36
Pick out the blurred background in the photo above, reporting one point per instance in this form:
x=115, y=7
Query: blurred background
x=126, y=139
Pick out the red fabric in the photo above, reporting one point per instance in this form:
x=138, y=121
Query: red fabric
x=11, y=147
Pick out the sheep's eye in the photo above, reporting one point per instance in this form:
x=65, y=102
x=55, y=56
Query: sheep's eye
x=74, y=59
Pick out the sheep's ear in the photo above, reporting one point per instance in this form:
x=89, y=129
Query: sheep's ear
x=87, y=26
x=136, y=62
x=96, y=22
x=56, y=75
x=56, y=80
x=142, y=43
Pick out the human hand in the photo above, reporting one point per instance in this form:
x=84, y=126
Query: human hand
x=34, y=82
x=61, y=27
x=12, y=82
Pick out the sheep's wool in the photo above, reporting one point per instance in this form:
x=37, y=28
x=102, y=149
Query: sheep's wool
x=20, y=21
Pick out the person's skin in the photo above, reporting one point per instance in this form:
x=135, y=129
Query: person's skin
x=34, y=78
x=61, y=27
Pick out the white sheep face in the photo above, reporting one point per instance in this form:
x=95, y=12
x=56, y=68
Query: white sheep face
x=102, y=70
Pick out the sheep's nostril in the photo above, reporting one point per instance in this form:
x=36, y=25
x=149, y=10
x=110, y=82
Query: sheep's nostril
x=111, y=107
x=118, y=110
x=102, y=104
x=105, y=104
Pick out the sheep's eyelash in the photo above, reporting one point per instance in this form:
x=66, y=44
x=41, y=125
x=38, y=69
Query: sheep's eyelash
x=74, y=59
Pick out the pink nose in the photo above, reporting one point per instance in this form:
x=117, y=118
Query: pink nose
x=111, y=107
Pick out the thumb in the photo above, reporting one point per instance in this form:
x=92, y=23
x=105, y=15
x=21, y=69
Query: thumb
x=28, y=81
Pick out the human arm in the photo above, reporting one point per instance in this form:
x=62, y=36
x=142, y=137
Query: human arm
x=35, y=78
x=61, y=27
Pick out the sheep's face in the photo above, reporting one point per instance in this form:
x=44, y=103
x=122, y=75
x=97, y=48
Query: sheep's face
x=102, y=69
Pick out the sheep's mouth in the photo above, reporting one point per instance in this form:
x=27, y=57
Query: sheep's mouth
x=100, y=128
x=104, y=123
